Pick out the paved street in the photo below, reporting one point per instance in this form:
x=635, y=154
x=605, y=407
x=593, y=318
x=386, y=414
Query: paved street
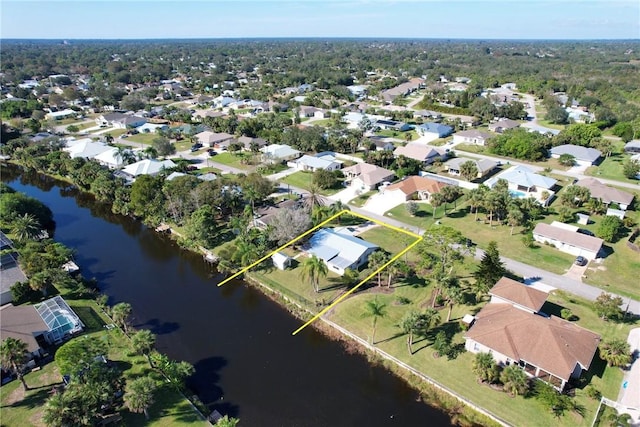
x=629, y=395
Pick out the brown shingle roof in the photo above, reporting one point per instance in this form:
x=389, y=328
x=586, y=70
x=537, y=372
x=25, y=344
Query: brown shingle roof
x=605, y=193
x=368, y=173
x=519, y=293
x=552, y=344
x=414, y=184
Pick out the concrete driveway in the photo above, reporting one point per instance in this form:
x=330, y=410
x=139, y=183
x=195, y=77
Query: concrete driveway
x=576, y=272
x=381, y=202
x=349, y=193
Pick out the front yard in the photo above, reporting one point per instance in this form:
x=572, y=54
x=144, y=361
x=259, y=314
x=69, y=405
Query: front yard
x=240, y=160
x=304, y=180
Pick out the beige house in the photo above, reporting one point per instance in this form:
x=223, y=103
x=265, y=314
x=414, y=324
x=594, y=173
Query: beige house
x=414, y=187
x=567, y=239
x=514, y=331
x=367, y=176
x=471, y=137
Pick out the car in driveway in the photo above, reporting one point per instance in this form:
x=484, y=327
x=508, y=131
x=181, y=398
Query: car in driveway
x=211, y=152
x=581, y=261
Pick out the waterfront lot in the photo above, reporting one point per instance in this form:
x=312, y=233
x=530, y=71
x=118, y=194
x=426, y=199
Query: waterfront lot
x=457, y=373
x=21, y=408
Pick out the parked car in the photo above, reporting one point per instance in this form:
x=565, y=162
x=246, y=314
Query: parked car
x=585, y=231
x=581, y=261
x=211, y=152
x=196, y=147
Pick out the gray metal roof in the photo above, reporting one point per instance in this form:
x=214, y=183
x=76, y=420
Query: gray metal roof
x=577, y=151
x=340, y=249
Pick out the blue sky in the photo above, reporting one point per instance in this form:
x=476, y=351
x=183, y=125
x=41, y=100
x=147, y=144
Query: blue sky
x=483, y=19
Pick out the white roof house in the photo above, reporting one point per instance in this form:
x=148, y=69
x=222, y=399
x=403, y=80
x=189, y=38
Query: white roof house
x=59, y=115
x=279, y=152
x=148, y=167
x=85, y=148
x=583, y=155
x=110, y=158
x=314, y=163
x=340, y=251
x=471, y=136
x=151, y=127
x=523, y=182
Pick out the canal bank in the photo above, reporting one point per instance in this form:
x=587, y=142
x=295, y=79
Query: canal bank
x=247, y=363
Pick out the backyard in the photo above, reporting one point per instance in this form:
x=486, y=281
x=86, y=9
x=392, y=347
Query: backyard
x=21, y=408
x=457, y=373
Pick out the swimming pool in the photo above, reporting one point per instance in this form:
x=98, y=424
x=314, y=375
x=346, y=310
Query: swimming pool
x=517, y=194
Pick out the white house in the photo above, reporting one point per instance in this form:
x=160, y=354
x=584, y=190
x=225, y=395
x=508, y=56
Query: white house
x=606, y=194
x=426, y=154
x=148, y=167
x=471, y=137
x=340, y=251
x=523, y=182
x=568, y=240
x=111, y=158
x=279, y=152
x=314, y=163
x=584, y=156
x=151, y=127
x=85, y=148
x=59, y=115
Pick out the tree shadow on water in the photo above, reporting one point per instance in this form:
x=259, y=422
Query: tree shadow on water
x=159, y=328
x=204, y=384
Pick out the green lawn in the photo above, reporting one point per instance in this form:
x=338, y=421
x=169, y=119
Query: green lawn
x=422, y=218
x=362, y=198
x=170, y=408
x=143, y=138
x=611, y=168
x=457, y=374
x=304, y=180
x=233, y=160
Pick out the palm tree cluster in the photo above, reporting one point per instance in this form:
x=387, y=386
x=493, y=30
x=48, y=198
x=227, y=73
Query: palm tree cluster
x=499, y=206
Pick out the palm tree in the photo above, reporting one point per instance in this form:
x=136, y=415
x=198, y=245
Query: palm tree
x=469, y=170
x=374, y=309
x=514, y=217
x=139, y=395
x=485, y=367
x=453, y=295
x=491, y=203
x=314, y=198
x=437, y=200
x=143, y=342
x=615, y=352
x=13, y=355
x=514, y=380
x=411, y=324
x=26, y=227
x=313, y=268
x=376, y=260
x=476, y=199
x=120, y=314
x=350, y=277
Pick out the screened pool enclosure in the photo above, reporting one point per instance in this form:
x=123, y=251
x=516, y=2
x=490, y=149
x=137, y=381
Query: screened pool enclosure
x=60, y=319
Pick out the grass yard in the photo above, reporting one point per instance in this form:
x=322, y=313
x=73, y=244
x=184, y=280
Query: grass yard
x=26, y=408
x=304, y=180
x=232, y=160
x=422, y=218
x=362, y=198
x=457, y=374
x=611, y=168
x=143, y=138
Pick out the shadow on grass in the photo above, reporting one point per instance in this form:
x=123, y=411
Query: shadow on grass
x=33, y=399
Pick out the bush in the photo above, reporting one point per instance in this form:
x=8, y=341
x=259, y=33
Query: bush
x=593, y=392
x=412, y=208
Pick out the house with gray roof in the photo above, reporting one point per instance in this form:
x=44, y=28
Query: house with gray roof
x=391, y=125
x=214, y=139
x=502, y=125
x=632, y=146
x=484, y=166
x=471, y=136
x=434, y=129
x=583, y=156
x=10, y=271
x=340, y=251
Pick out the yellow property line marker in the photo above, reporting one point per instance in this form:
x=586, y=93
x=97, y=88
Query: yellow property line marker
x=328, y=220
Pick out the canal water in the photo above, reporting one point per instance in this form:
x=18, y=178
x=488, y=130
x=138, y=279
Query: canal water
x=248, y=364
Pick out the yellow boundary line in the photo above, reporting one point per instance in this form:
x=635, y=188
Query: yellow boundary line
x=392, y=260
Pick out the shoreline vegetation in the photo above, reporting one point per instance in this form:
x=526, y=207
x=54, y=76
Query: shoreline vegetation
x=416, y=291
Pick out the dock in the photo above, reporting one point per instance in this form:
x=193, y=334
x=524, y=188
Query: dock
x=70, y=267
x=163, y=228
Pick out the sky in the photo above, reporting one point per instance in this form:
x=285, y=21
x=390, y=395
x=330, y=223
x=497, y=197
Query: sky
x=451, y=19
